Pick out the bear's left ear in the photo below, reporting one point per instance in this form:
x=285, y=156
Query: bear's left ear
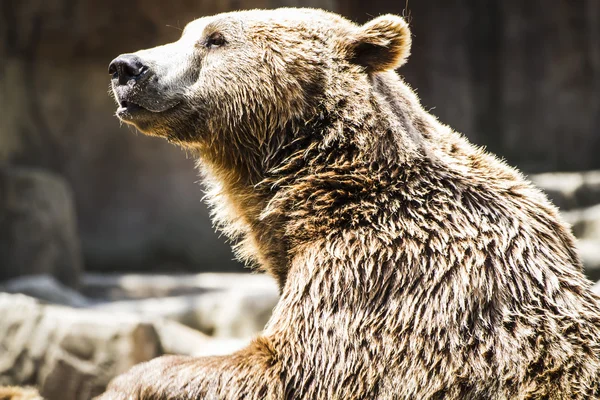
x=381, y=44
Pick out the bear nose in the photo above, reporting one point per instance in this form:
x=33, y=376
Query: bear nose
x=126, y=67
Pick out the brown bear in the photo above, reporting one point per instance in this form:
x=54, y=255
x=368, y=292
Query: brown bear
x=412, y=264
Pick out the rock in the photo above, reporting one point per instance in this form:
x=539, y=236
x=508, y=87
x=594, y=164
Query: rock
x=596, y=288
x=577, y=194
x=589, y=251
x=238, y=313
x=225, y=305
x=72, y=354
x=38, y=232
x=137, y=286
x=219, y=347
x=179, y=339
x=45, y=288
x=585, y=223
x=570, y=190
x=68, y=353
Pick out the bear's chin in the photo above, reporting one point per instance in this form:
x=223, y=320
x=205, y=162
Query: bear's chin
x=148, y=122
x=157, y=128
x=148, y=126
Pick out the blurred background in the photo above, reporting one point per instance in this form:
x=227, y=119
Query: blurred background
x=104, y=229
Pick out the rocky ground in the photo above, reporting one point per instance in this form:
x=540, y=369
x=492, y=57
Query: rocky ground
x=68, y=332
x=577, y=194
x=70, y=343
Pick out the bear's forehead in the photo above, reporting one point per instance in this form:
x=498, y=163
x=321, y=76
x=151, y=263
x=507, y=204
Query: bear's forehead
x=259, y=19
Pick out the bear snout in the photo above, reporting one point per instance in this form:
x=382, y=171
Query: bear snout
x=137, y=88
x=127, y=67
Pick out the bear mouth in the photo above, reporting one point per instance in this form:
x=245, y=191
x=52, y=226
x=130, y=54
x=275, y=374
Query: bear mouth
x=135, y=103
x=129, y=106
x=129, y=110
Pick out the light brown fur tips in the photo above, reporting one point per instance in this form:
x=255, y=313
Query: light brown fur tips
x=412, y=264
x=17, y=393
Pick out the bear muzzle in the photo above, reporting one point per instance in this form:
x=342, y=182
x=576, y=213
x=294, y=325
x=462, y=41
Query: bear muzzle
x=137, y=89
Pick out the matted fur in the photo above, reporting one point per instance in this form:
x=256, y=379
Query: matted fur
x=412, y=264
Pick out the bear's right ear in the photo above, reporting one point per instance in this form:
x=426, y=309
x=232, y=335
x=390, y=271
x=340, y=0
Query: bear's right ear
x=381, y=44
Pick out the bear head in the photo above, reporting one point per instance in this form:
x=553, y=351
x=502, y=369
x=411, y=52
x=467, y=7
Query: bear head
x=233, y=84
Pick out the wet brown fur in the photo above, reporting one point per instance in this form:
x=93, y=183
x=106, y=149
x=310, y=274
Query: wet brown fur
x=412, y=264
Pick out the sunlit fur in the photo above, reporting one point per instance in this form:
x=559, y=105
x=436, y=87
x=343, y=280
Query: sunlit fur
x=17, y=393
x=412, y=264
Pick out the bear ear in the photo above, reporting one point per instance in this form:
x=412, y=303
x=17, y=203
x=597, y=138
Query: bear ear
x=381, y=44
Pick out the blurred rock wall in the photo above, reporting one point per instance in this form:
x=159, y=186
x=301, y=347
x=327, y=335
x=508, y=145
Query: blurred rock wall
x=522, y=78
x=137, y=200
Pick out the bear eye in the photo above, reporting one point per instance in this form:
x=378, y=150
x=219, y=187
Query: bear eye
x=216, y=39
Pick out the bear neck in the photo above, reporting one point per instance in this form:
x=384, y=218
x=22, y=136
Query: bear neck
x=267, y=203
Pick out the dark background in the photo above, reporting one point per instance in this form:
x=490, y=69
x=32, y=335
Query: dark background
x=521, y=77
